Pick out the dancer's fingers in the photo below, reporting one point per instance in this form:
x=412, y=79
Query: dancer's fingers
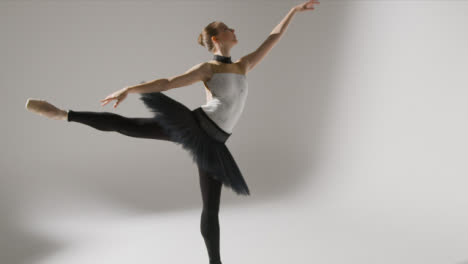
x=106, y=103
x=311, y=4
x=107, y=100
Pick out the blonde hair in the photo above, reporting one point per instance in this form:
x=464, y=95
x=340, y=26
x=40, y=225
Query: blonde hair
x=209, y=31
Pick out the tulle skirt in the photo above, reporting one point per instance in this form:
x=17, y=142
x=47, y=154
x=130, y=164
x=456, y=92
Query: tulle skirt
x=200, y=136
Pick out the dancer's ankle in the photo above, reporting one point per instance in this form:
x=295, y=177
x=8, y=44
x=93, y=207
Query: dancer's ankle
x=64, y=115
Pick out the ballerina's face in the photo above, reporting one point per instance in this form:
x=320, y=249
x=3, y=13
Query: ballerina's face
x=226, y=35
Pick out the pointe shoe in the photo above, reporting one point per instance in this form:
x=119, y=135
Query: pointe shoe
x=44, y=108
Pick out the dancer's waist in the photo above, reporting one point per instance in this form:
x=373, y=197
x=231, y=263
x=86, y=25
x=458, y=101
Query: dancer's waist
x=210, y=127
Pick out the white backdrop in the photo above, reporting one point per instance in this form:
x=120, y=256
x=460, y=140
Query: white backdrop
x=353, y=138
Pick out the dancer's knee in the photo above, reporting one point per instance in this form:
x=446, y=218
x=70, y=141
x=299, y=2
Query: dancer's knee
x=209, y=219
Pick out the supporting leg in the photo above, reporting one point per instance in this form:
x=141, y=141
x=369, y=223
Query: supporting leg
x=209, y=225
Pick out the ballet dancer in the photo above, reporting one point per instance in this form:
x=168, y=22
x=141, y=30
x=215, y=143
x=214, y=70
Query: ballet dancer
x=202, y=131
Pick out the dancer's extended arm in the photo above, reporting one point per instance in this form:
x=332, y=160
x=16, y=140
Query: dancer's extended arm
x=252, y=59
x=199, y=72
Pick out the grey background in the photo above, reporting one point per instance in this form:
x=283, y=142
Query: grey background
x=353, y=137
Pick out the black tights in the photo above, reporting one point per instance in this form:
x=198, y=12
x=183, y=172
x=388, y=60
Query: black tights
x=149, y=128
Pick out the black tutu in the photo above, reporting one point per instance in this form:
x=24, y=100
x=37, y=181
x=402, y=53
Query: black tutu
x=200, y=136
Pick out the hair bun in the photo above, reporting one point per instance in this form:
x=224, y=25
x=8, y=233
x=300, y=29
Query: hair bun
x=200, y=40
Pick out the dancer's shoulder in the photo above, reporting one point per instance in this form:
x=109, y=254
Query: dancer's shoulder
x=218, y=67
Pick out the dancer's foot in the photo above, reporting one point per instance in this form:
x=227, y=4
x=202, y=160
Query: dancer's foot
x=44, y=108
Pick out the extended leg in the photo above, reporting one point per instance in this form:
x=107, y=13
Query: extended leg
x=130, y=126
x=209, y=225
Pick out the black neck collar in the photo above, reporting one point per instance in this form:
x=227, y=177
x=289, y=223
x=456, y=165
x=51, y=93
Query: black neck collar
x=222, y=59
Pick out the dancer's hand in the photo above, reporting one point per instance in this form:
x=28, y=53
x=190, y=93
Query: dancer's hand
x=119, y=95
x=309, y=5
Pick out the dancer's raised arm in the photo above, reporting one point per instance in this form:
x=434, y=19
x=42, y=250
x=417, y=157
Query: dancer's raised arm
x=252, y=59
x=197, y=73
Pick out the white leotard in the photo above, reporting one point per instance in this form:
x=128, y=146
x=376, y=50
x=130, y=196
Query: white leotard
x=229, y=92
